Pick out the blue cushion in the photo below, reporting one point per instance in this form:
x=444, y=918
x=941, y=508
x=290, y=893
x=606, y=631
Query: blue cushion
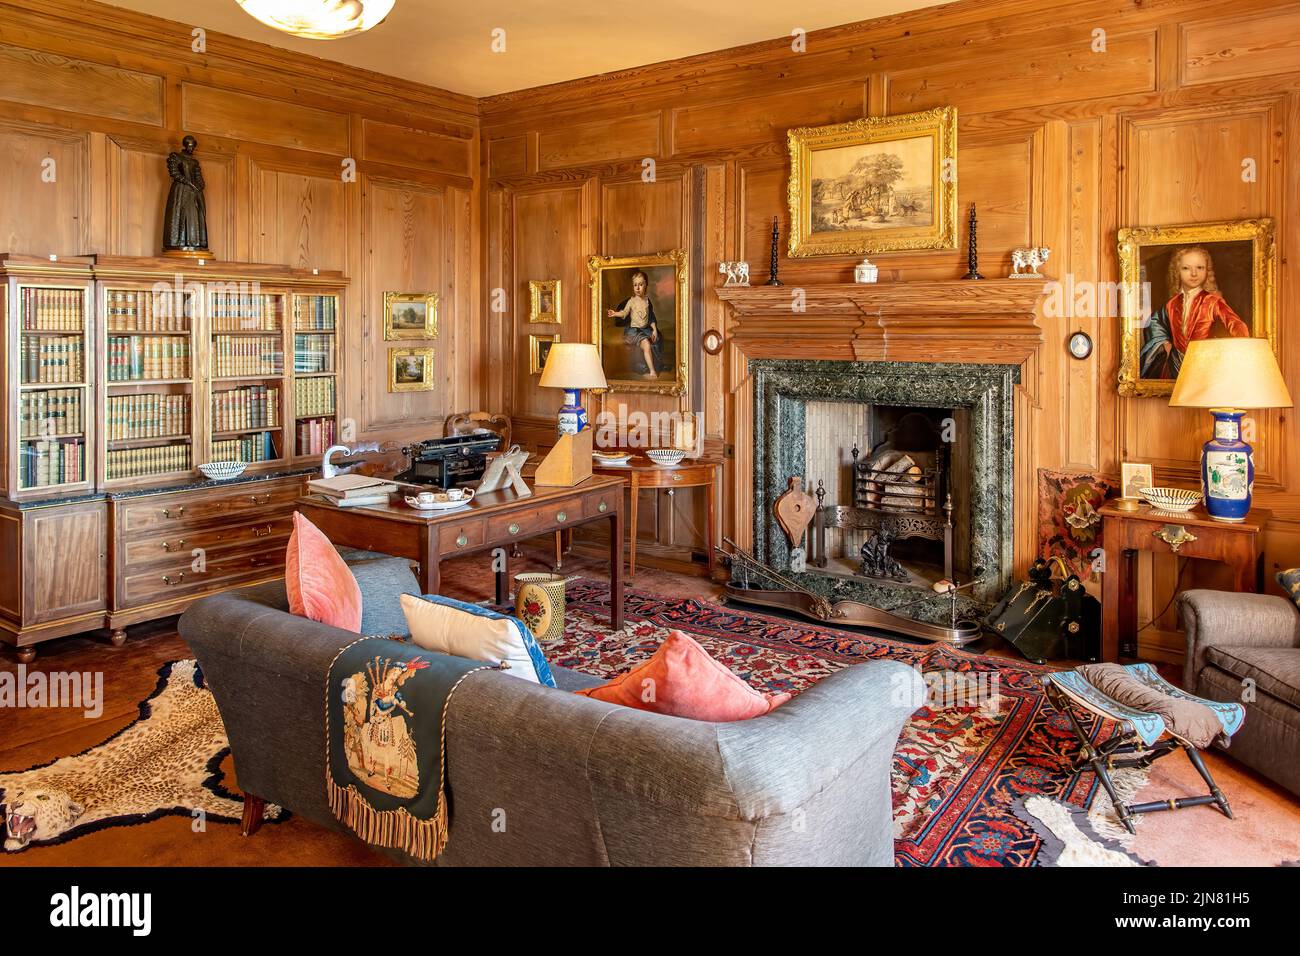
x=1290, y=581
x=383, y=581
x=526, y=638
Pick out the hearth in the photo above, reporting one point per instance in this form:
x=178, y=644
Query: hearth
x=912, y=462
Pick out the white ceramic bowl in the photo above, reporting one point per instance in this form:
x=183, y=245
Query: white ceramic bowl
x=610, y=458
x=665, y=456
x=223, y=470
x=1176, y=500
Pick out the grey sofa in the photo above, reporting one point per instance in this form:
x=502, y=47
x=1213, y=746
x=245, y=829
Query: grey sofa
x=576, y=781
x=1232, y=638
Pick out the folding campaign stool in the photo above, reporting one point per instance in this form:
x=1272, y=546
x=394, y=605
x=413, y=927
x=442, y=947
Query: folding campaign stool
x=1140, y=736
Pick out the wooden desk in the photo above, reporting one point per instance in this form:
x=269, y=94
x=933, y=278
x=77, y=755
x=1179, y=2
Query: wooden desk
x=641, y=473
x=1124, y=533
x=490, y=521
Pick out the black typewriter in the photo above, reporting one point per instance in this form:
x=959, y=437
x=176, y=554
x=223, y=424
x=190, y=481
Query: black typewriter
x=444, y=462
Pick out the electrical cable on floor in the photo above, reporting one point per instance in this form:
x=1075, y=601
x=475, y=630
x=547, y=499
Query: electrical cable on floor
x=1172, y=598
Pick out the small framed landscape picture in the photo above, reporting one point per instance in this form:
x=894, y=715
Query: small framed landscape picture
x=1133, y=478
x=410, y=370
x=410, y=315
x=539, y=347
x=543, y=300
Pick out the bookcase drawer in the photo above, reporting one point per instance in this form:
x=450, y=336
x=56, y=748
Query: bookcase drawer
x=181, y=579
x=169, y=513
x=170, y=548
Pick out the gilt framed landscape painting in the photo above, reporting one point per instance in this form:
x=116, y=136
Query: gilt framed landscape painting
x=882, y=184
x=410, y=315
x=640, y=321
x=1182, y=283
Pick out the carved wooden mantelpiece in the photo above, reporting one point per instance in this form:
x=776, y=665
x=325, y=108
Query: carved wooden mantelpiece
x=993, y=321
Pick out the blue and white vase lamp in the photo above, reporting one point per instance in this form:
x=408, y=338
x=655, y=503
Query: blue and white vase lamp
x=1228, y=376
x=574, y=367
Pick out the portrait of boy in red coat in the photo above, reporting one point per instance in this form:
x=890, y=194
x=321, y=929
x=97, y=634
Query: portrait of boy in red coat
x=1195, y=310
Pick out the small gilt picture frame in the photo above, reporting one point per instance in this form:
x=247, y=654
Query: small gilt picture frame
x=410, y=315
x=544, y=300
x=1133, y=477
x=539, y=347
x=410, y=370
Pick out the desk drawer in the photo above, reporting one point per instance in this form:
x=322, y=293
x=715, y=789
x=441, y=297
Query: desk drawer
x=165, y=513
x=179, y=545
x=603, y=503
x=524, y=524
x=179, y=579
x=465, y=536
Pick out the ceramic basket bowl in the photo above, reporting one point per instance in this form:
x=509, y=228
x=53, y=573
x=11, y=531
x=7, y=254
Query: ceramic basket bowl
x=223, y=470
x=665, y=456
x=1176, y=500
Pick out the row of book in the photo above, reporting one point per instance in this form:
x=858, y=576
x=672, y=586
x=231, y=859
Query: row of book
x=315, y=312
x=157, y=460
x=44, y=463
x=315, y=435
x=52, y=359
x=55, y=411
x=250, y=448
x=313, y=353
x=133, y=358
x=246, y=355
x=147, y=416
x=137, y=310
x=250, y=406
x=234, y=312
x=53, y=310
x=314, y=396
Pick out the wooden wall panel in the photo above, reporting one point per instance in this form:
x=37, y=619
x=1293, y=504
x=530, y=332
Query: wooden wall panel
x=80, y=86
x=389, y=143
x=719, y=125
x=1234, y=48
x=637, y=137
x=140, y=184
x=205, y=109
x=41, y=217
x=303, y=220
x=508, y=157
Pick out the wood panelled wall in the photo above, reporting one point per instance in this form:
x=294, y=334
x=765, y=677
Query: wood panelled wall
x=1061, y=141
x=106, y=94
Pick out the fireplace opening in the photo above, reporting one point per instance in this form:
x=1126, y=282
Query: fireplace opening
x=893, y=489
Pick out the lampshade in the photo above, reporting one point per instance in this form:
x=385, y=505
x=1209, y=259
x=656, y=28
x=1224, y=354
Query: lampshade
x=319, y=19
x=1230, y=373
x=573, y=365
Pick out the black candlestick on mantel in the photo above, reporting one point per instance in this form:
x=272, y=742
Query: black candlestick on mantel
x=776, y=239
x=972, y=250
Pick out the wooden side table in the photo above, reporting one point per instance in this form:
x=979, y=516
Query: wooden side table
x=641, y=473
x=1191, y=535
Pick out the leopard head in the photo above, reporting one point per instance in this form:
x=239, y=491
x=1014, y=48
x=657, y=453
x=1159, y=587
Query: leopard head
x=36, y=813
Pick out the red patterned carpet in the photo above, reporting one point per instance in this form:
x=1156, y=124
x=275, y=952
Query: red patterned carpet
x=959, y=768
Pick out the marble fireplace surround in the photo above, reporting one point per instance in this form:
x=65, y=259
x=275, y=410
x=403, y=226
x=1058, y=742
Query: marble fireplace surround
x=978, y=342
x=782, y=389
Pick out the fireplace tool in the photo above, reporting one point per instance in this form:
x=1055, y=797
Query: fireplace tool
x=794, y=597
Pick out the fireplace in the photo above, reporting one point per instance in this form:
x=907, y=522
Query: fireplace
x=929, y=492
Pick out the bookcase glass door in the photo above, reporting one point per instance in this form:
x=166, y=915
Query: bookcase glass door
x=149, y=382
x=315, y=370
x=54, y=402
x=248, y=375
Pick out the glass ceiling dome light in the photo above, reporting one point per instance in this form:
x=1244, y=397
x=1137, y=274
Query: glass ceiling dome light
x=319, y=19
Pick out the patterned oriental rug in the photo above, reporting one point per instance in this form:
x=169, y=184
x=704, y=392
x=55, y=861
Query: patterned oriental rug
x=961, y=772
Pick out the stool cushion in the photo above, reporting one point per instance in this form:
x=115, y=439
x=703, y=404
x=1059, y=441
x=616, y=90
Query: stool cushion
x=1192, y=721
x=1275, y=670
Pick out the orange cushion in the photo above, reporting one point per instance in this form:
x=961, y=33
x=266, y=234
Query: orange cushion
x=319, y=583
x=682, y=680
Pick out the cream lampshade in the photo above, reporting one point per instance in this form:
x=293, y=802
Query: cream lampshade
x=573, y=366
x=1228, y=376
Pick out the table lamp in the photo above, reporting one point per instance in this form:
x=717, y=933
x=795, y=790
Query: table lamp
x=1228, y=376
x=573, y=367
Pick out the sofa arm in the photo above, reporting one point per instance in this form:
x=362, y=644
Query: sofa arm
x=1232, y=619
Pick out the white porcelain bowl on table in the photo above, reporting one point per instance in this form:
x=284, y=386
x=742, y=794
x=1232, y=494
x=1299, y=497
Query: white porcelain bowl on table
x=607, y=458
x=223, y=470
x=665, y=456
x=1177, y=500
x=441, y=500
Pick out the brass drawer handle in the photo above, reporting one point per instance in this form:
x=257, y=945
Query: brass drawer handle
x=180, y=543
x=1174, y=535
x=561, y=517
x=603, y=507
x=461, y=540
x=676, y=477
x=180, y=512
x=513, y=529
x=167, y=578
x=259, y=499
x=261, y=532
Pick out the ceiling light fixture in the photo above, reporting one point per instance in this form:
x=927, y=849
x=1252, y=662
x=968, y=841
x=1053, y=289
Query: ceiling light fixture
x=319, y=19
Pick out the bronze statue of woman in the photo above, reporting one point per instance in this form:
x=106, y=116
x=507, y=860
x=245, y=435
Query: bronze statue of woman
x=185, y=223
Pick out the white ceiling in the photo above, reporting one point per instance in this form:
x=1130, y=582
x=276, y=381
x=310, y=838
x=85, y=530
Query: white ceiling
x=447, y=43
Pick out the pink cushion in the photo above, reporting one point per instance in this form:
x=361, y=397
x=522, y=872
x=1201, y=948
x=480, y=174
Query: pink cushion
x=319, y=583
x=682, y=680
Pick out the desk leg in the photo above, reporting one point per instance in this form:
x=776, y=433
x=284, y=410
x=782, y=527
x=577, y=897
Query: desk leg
x=631, y=563
x=1110, y=588
x=430, y=575
x=616, y=569
x=503, y=577
x=1128, y=617
x=711, y=488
